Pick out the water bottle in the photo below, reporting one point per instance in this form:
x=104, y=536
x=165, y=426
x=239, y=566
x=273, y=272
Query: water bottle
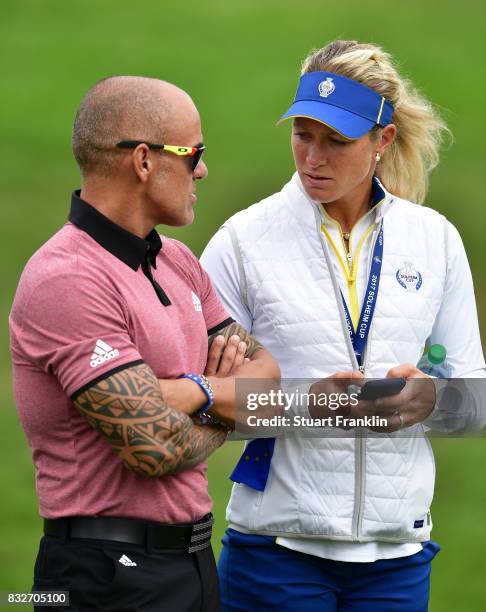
x=433, y=362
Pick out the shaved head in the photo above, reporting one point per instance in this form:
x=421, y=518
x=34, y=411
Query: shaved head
x=122, y=108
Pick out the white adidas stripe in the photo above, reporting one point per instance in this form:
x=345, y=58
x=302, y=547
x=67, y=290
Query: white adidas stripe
x=103, y=346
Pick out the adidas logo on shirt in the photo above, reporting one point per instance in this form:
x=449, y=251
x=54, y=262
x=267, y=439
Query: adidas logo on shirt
x=102, y=352
x=197, y=302
x=124, y=560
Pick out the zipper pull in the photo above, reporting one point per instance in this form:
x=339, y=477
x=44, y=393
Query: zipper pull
x=346, y=235
x=349, y=257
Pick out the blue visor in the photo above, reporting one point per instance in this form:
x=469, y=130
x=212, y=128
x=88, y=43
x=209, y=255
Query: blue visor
x=346, y=106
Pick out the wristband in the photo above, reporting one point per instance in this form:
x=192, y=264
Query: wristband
x=205, y=386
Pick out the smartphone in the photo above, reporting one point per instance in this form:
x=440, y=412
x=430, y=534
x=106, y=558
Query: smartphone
x=383, y=387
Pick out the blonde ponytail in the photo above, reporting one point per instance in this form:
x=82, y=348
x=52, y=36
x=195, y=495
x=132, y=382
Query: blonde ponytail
x=405, y=166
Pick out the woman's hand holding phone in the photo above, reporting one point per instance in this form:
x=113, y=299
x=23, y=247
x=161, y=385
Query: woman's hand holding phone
x=411, y=405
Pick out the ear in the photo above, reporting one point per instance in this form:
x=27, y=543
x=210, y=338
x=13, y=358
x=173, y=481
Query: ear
x=387, y=136
x=142, y=162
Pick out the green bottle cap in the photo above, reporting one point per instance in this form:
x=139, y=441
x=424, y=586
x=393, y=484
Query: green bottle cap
x=437, y=354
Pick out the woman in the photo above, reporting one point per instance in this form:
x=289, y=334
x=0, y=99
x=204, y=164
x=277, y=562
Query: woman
x=340, y=275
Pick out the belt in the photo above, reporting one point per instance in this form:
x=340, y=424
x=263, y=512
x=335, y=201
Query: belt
x=184, y=537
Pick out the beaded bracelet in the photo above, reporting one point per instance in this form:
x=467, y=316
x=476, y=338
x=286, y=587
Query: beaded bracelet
x=206, y=387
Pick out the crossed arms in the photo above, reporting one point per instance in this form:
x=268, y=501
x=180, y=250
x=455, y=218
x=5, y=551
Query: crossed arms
x=152, y=431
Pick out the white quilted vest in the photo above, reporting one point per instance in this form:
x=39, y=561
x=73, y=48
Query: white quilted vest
x=346, y=488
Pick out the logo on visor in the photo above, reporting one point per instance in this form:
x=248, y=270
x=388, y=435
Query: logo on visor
x=326, y=87
x=408, y=278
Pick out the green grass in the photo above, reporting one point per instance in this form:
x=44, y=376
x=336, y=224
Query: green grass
x=239, y=60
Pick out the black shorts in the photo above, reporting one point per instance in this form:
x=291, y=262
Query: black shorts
x=109, y=576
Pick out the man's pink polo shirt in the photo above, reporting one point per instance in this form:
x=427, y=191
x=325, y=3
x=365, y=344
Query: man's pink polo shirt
x=86, y=307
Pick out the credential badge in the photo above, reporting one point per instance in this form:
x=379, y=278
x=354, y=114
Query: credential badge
x=326, y=87
x=409, y=278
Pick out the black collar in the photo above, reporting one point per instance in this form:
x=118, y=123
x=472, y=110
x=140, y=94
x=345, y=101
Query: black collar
x=129, y=248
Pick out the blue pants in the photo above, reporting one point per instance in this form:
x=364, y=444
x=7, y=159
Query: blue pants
x=257, y=575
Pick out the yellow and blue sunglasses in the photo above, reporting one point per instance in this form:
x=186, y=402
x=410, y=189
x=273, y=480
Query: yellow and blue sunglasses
x=195, y=153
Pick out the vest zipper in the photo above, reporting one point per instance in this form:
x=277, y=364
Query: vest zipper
x=354, y=364
x=360, y=435
x=348, y=268
x=319, y=214
x=360, y=461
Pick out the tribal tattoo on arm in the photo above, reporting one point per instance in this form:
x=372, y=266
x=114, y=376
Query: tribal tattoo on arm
x=235, y=328
x=151, y=438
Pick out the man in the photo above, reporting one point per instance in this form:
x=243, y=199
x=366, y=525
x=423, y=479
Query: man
x=106, y=319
